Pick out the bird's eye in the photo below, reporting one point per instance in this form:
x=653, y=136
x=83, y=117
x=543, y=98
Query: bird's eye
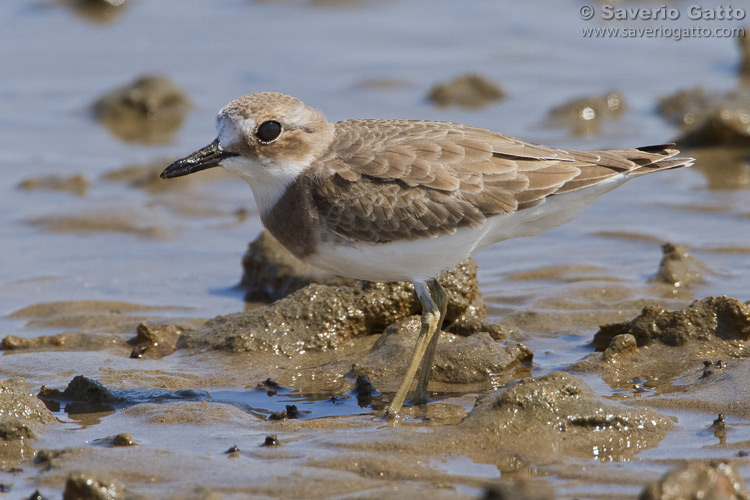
x=268, y=131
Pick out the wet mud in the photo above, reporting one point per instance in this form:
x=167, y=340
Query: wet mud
x=489, y=407
x=619, y=373
x=22, y=416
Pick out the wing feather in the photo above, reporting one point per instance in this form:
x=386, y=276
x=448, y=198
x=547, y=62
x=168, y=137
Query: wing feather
x=389, y=180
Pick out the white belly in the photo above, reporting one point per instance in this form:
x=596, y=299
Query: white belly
x=423, y=259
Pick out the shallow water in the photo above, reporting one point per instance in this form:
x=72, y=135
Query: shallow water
x=182, y=248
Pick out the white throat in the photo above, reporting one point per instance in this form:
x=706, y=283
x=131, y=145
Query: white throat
x=269, y=183
x=268, y=179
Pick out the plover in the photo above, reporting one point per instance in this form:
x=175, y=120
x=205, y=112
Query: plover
x=402, y=200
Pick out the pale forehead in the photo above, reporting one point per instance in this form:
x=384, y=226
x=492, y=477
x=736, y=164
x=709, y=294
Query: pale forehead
x=242, y=116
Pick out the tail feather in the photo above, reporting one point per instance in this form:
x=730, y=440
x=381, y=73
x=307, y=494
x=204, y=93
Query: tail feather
x=599, y=166
x=657, y=158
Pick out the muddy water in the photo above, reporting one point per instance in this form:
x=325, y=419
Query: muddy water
x=121, y=248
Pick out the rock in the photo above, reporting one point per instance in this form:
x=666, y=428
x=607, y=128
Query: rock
x=20, y=415
x=584, y=116
x=148, y=110
x=459, y=360
x=467, y=91
x=559, y=414
x=709, y=480
x=678, y=268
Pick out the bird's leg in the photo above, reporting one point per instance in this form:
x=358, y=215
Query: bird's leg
x=440, y=297
x=430, y=320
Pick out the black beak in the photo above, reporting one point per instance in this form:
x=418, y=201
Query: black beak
x=207, y=157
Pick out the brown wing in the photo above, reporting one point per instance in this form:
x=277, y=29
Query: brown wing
x=390, y=180
x=376, y=210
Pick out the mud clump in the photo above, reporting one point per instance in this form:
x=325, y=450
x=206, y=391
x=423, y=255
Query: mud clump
x=21, y=414
x=724, y=168
x=639, y=349
x=270, y=272
x=89, y=486
x=97, y=11
x=148, y=110
x=312, y=318
x=59, y=341
x=687, y=108
x=584, y=116
x=709, y=119
x=158, y=340
x=83, y=395
x=466, y=91
x=123, y=439
x=710, y=319
x=678, y=268
x=559, y=414
x=76, y=184
x=711, y=479
x=459, y=360
x=325, y=317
